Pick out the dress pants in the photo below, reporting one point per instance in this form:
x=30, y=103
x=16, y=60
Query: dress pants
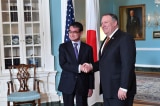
x=118, y=102
x=69, y=99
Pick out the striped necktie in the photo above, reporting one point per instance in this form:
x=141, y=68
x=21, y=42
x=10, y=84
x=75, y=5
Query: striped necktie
x=76, y=50
x=107, y=40
x=105, y=43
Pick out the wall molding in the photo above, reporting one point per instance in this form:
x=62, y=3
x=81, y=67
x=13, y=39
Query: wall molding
x=147, y=66
x=148, y=49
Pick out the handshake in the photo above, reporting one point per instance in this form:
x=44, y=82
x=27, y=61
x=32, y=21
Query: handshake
x=86, y=67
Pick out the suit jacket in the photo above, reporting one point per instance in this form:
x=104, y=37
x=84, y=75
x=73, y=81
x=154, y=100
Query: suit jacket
x=71, y=79
x=133, y=26
x=116, y=65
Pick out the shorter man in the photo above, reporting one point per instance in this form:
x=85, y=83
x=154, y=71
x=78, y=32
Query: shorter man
x=73, y=82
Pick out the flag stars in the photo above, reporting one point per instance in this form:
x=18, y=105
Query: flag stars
x=69, y=19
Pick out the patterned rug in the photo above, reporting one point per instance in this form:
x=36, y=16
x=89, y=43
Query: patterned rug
x=148, y=89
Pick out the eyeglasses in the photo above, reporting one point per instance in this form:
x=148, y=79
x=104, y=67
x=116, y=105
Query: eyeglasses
x=73, y=32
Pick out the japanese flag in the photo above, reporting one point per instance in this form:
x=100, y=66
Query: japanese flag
x=92, y=25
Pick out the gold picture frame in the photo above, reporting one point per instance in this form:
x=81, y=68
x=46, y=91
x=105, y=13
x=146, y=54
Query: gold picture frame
x=136, y=27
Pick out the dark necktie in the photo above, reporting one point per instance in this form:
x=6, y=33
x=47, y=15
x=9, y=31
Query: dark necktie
x=76, y=50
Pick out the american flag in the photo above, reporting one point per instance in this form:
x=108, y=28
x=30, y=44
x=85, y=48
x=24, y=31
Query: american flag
x=69, y=19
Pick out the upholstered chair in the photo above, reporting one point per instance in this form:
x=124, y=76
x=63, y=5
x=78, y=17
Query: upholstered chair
x=23, y=87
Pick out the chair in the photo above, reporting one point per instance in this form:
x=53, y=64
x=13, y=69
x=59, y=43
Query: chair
x=23, y=75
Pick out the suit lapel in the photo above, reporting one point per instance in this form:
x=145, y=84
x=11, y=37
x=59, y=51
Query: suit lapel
x=81, y=49
x=107, y=47
x=100, y=53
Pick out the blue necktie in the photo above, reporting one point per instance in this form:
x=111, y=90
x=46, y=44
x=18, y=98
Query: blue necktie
x=76, y=50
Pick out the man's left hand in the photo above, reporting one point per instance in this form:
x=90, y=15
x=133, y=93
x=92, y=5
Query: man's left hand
x=122, y=95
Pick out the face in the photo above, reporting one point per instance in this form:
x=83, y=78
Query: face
x=108, y=24
x=74, y=34
x=131, y=13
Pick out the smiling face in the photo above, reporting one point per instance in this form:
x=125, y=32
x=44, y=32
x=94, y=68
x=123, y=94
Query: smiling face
x=108, y=24
x=74, y=33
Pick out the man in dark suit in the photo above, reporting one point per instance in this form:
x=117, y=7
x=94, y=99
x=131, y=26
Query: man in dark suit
x=73, y=82
x=116, y=64
x=133, y=24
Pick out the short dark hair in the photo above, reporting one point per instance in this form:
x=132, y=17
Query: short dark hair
x=77, y=25
x=113, y=16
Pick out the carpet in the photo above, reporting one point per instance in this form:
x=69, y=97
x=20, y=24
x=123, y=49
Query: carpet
x=148, y=89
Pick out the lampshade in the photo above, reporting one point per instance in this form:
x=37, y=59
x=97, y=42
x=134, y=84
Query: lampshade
x=157, y=2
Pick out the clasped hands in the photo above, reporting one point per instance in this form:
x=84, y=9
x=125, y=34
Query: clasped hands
x=86, y=67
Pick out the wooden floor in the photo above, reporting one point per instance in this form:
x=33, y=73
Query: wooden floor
x=145, y=105
x=142, y=105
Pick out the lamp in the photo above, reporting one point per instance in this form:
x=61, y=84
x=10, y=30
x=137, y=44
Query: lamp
x=157, y=2
x=152, y=20
x=102, y=34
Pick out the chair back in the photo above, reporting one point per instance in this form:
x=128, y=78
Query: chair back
x=22, y=73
